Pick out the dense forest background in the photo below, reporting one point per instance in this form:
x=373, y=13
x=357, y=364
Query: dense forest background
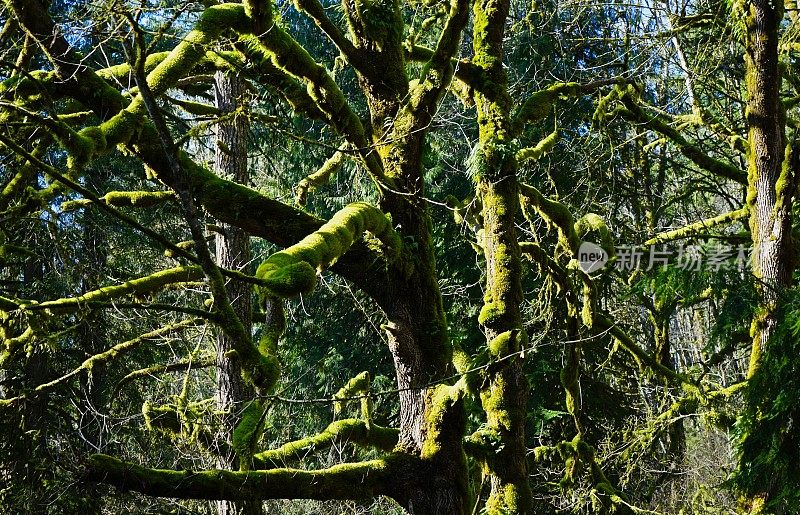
x=339, y=250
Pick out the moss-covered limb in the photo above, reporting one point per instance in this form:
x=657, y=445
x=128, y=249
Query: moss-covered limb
x=634, y=112
x=604, y=323
x=247, y=432
x=137, y=198
x=26, y=174
x=471, y=75
x=377, y=27
x=195, y=108
x=438, y=71
x=120, y=72
x=357, y=386
x=315, y=10
x=178, y=366
x=141, y=286
x=535, y=152
x=555, y=214
x=182, y=419
x=148, y=306
x=12, y=346
x=354, y=431
x=288, y=55
x=75, y=186
x=364, y=480
x=692, y=229
x=328, y=169
x=287, y=86
x=540, y=103
x=593, y=224
x=293, y=271
x=225, y=200
x=99, y=359
x=193, y=47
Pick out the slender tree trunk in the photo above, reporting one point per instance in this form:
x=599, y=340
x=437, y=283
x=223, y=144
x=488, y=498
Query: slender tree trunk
x=771, y=183
x=504, y=394
x=233, y=251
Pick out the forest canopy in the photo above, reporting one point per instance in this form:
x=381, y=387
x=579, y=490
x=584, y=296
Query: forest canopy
x=427, y=257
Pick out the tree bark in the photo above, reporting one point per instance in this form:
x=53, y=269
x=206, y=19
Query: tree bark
x=504, y=393
x=771, y=187
x=233, y=252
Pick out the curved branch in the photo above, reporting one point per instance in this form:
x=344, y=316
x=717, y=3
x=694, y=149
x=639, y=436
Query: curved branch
x=293, y=271
x=353, y=431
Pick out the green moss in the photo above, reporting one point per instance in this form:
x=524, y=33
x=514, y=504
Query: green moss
x=293, y=271
x=344, y=431
x=362, y=480
x=141, y=286
x=507, y=342
x=444, y=403
x=536, y=152
x=594, y=225
x=555, y=214
x=357, y=386
x=137, y=198
x=491, y=312
x=329, y=168
x=248, y=432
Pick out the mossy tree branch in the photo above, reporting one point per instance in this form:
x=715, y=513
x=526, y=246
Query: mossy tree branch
x=540, y=103
x=293, y=271
x=329, y=168
x=99, y=359
x=141, y=286
x=693, y=229
x=355, y=431
x=364, y=480
x=636, y=113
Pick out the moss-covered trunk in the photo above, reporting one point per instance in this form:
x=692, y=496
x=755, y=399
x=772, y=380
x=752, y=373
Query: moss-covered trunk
x=431, y=421
x=770, y=176
x=771, y=187
x=504, y=394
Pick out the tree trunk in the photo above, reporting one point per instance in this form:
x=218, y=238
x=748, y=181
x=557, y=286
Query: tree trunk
x=771, y=186
x=233, y=252
x=504, y=393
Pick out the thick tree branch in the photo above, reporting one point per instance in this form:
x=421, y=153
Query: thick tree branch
x=364, y=480
x=540, y=103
